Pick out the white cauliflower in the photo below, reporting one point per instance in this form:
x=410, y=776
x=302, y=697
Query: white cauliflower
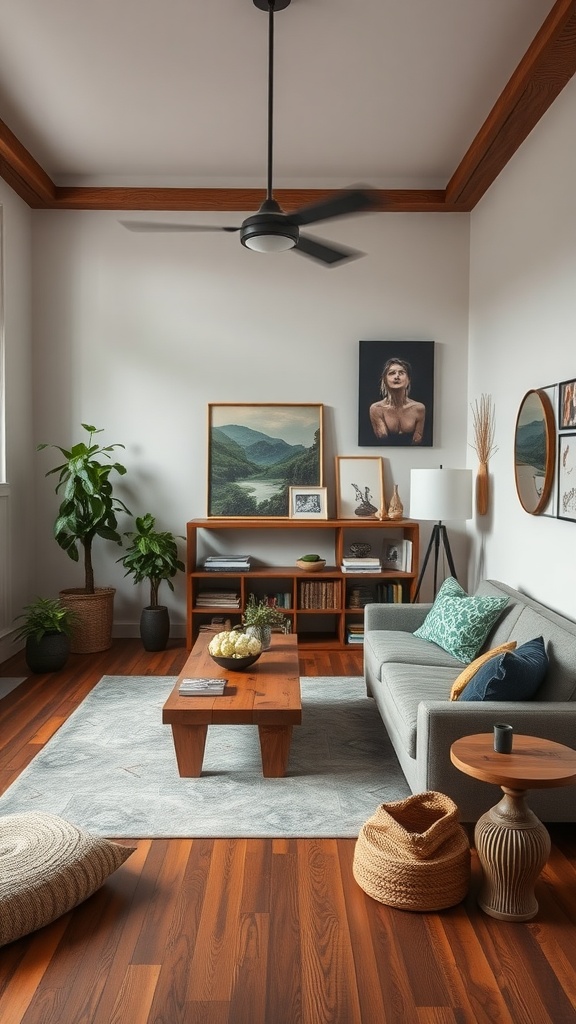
x=234, y=644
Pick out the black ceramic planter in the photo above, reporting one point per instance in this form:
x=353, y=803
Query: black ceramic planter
x=49, y=654
x=155, y=627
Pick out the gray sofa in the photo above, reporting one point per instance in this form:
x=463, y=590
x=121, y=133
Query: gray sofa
x=410, y=679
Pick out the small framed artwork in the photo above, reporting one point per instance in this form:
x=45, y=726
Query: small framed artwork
x=359, y=486
x=308, y=503
x=257, y=452
x=567, y=476
x=567, y=405
x=396, y=394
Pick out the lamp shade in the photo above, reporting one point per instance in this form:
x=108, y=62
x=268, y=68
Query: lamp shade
x=441, y=494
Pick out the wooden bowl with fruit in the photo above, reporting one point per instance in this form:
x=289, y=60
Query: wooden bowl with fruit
x=311, y=563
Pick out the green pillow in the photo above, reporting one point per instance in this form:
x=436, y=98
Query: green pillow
x=459, y=623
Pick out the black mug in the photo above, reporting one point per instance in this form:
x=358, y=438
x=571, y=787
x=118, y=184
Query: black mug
x=503, y=735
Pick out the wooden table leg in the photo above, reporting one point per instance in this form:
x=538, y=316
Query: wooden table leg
x=189, y=743
x=513, y=846
x=274, y=747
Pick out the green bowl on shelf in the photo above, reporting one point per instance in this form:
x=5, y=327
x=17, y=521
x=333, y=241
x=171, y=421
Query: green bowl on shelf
x=311, y=566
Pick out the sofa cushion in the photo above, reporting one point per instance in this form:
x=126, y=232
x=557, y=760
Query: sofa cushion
x=401, y=690
x=514, y=675
x=467, y=674
x=459, y=623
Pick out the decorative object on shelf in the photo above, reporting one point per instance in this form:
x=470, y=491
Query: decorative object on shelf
x=308, y=503
x=360, y=550
x=234, y=649
x=88, y=509
x=534, y=451
x=256, y=452
x=153, y=556
x=395, y=508
x=311, y=563
x=396, y=394
x=484, y=423
x=359, y=486
x=382, y=513
x=439, y=494
x=258, y=618
x=46, y=630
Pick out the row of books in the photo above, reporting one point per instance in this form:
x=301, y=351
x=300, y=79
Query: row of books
x=227, y=563
x=315, y=594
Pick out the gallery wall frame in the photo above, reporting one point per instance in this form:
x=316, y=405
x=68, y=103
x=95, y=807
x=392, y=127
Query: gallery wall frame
x=359, y=486
x=257, y=451
x=567, y=476
x=396, y=413
x=567, y=404
x=534, y=451
x=308, y=503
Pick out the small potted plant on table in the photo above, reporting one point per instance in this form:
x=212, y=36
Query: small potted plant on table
x=46, y=630
x=152, y=555
x=259, y=617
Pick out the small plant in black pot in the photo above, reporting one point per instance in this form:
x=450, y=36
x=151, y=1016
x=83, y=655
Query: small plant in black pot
x=152, y=555
x=46, y=630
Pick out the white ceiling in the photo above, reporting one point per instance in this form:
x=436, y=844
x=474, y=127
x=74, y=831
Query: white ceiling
x=173, y=92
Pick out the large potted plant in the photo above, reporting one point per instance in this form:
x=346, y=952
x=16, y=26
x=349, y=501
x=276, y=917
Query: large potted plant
x=152, y=555
x=46, y=630
x=87, y=510
x=259, y=617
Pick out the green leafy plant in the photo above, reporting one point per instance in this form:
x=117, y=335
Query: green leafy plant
x=43, y=616
x=88, y=508
x=152, y=555
x=260, y=613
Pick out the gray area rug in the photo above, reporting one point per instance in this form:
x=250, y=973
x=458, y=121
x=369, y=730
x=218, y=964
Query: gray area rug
x=111, y=768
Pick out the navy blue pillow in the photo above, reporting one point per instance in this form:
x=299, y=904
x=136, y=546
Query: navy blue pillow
x=514, y=675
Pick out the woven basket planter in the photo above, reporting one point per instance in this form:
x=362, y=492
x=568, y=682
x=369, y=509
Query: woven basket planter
x=413, y=854
x=93, y=615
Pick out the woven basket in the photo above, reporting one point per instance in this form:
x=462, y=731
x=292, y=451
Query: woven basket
x=93, y=615
x=413, y=854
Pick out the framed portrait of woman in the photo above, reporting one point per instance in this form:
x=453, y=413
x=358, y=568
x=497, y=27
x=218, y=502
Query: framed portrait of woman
x=396, y=394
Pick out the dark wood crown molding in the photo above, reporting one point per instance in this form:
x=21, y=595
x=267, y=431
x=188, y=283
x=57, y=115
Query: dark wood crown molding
x=547, y=66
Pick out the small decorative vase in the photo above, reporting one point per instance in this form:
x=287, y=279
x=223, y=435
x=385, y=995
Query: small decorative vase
x=395, y=508
x=262, y=633
x=482, y=489
x=154, y=627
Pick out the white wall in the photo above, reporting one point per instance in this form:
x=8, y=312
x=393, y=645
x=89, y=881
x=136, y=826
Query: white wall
x=522, y=336
x=137, y=333
x=17, y=562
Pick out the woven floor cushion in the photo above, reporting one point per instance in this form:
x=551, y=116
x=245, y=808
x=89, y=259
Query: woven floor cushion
x=413, y=854
x=48, y=866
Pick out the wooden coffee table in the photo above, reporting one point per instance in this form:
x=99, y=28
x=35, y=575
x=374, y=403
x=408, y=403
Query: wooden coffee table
x=512, y=843
x=266, y=695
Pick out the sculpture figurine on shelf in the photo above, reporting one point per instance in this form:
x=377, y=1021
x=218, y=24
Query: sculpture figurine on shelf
x=395, y=508
x=365, y=509
x=382, y=513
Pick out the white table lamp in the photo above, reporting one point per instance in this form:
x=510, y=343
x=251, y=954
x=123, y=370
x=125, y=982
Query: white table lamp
x=439, y=494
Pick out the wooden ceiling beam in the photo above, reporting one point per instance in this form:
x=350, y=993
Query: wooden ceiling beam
x=547, y=66
x=22, y=172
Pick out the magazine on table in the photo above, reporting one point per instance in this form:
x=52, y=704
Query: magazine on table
x=201, y=687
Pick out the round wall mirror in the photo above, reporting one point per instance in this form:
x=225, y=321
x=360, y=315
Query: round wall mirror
x=534, y=449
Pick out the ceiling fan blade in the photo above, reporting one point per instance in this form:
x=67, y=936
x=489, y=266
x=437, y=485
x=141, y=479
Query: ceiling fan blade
x=324, y=252
x=350, y=201
x=144, y=225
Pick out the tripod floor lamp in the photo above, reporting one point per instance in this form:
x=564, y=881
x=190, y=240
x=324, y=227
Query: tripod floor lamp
x=439, y=494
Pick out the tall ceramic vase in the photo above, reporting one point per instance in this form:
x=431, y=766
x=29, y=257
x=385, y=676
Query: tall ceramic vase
x=395, y=508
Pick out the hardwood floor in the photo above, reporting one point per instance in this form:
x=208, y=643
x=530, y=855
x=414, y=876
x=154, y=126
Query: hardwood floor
x=268, y=931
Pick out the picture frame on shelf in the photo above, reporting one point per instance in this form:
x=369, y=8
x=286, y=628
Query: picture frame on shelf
x=567, y=476
x=359, y=486
x=308, y=503
x=256, y=452
x=567, y=404
x=396, y=413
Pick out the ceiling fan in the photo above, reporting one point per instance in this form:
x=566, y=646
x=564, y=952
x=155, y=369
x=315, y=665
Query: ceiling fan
x=272, y=230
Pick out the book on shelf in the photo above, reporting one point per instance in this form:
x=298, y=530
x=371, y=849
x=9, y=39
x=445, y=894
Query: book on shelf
x=361, y=561
x=227, y=563
x=217, y=624
x=213, y=598
x=358, y=569
x=201, y=687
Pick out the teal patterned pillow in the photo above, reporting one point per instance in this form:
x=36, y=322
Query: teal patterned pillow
x=459, y=623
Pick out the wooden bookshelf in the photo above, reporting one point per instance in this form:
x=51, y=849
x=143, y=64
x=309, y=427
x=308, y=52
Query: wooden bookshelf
x=317, y=627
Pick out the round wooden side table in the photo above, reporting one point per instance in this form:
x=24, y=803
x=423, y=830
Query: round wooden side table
x=512, y=843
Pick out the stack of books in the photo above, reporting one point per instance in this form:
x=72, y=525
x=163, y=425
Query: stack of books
x=217, y=624
x=361, y=565
x=355, y=633
x=217, y=599
x=201, y=687
x=227, y=563
x=359, y=595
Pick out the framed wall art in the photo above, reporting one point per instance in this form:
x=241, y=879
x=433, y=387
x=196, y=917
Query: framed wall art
x=567, y=476
x=567, y=405
x=308, y=503
x=534, y=451
x=359, y=486
x=256, y=452
x=396, y=394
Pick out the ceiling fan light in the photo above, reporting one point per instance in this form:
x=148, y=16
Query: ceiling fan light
x=269, y=243
x=269, y=232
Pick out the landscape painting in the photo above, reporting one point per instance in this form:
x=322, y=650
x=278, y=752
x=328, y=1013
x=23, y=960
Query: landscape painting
x=257, y=452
